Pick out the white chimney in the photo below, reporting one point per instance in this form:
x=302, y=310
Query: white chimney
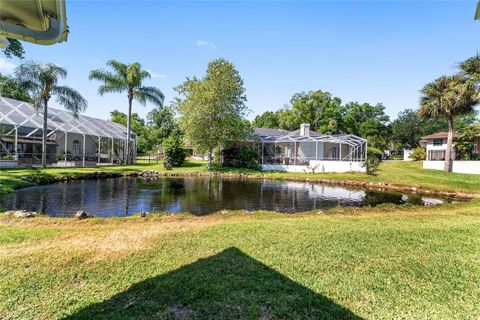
x=305, y=129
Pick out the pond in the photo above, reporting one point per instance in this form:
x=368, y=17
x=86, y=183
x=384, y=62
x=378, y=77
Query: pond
x=196, y=195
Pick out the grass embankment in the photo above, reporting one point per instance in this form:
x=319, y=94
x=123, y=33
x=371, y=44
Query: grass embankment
x=408, y=174
x=379, y=263
x=403, y=263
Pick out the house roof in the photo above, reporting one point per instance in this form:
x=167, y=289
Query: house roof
x=436, y=135
x=280, y=135
x=296, y=133
x=443, y=134
x=23, y=114
x=263, y=132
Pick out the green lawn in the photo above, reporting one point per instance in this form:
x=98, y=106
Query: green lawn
x=382, y=264
x=378, y=263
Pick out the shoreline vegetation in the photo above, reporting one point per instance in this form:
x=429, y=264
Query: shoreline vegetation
x=378, y=262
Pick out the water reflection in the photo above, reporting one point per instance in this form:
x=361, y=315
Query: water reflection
x=124, y=196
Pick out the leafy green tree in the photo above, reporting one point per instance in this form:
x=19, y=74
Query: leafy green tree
x=465, y=142
x=127, y=78
x=41, y=81
x=267, y=119
x=408, y=128
x=367, y=121
x=288, y=119
x=9, y=88
x=448, y=96
x=137, y=125
x=14, y=48
x=319, y=109
x=212, y=109
x=161, y=124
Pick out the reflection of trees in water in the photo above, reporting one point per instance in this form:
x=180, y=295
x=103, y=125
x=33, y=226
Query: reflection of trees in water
x=121, y=196
x=374, y=198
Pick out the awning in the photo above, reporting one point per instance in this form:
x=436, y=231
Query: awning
x=37, y=21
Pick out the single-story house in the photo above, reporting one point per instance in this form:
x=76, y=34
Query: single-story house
x=71, y=141
x=436, y=147
x=304, y=150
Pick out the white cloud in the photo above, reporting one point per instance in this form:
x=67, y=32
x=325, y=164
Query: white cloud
x=203, y=43
x=6, y=66
x=157, y=75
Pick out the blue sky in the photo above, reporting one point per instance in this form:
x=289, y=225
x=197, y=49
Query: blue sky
x=359, y=51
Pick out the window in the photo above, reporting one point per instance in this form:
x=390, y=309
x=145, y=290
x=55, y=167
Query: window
x=437, y=142
x=76, y=147
x=436, y=155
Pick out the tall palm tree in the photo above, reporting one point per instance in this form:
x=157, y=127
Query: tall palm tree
x=41, y=81
x=448, y=96
x=127, y=78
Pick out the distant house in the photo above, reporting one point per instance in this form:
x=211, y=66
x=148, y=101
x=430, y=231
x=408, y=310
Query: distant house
x=304, y=150
x=71, y=141
x=436, y=148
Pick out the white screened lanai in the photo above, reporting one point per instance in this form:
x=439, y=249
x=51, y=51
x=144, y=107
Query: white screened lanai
x=305, y=150
x=71, y=141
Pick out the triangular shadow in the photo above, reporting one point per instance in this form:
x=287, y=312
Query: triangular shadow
x=228, y=285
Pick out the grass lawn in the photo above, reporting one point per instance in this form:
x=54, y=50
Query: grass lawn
x=384, y=263
x=378, y=263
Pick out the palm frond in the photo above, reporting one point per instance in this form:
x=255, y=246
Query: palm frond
x=144, y=74
x=112, y=82
x=111, y=88
x=133, y=74
x=119, y=68
x=70, y=98
x=471, y=66
x=150, y=94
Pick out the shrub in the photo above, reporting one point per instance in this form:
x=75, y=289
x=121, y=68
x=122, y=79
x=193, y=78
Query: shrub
x=174, y=151
x=374, y=158
x=240, y=157
x=7, y=157
x=247, y=157
x=418, y=154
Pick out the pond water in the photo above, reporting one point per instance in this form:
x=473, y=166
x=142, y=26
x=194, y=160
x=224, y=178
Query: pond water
x=199, y=196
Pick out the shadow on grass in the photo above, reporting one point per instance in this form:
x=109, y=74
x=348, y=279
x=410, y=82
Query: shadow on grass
x=228, y=285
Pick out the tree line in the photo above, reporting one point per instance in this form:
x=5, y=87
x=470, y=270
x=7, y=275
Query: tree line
x=209, y=112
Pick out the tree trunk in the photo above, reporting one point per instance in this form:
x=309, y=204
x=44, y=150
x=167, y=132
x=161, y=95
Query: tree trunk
x=210, y=156
x=449, y=151
x=44, y=136
x=129, y=116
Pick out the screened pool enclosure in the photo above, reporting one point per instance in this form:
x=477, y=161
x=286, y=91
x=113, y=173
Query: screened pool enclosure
x=305, y=150
x=71, y=141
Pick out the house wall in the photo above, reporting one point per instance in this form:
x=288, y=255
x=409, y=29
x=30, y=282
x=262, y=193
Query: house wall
x=406, y=155
x=443, y=147
x=91, y=144
x=470, y=167
x=318, y=166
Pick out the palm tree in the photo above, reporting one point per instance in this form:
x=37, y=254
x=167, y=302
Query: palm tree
x=41, y=81
x=127, y=78
x=471, y=69
x=448, y=96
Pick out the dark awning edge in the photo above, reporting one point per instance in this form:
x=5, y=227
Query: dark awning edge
x=57, y=31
